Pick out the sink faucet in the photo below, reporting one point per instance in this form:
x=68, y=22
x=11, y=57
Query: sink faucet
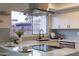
x=41, y=33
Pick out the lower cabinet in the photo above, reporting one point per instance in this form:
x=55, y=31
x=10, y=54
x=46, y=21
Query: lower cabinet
x=67, y=44
x=77, y=45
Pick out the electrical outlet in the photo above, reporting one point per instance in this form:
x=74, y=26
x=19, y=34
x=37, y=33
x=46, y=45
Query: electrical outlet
x=78, y=33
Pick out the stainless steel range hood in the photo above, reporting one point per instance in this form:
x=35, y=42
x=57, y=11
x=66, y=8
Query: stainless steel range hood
x=33, y=7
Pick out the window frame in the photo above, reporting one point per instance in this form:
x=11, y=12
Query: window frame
x=32, y=22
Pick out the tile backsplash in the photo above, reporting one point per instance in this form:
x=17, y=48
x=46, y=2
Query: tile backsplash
x=68, y=33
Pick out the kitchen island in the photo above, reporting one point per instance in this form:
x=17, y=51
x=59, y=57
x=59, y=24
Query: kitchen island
x=74, y=43
x=12, y=51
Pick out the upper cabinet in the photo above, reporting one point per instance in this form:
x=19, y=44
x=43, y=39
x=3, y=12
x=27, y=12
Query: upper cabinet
x=66, y=21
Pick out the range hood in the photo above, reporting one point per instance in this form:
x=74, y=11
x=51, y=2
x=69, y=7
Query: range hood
x=40, y=7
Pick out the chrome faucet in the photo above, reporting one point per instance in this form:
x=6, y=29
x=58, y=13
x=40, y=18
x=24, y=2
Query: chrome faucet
x=41, y=33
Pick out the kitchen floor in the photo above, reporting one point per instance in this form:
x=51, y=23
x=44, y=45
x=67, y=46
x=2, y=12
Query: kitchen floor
x=53, y=52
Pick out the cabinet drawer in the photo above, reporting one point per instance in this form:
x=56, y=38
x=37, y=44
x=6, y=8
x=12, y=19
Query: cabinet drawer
x=67, y=44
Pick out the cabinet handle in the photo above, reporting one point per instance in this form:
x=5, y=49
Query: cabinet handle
x=68, y=26
x=58, y=26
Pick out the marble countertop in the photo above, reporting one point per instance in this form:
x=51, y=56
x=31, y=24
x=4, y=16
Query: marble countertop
x=70, y=40
x=13, y=51
x=56, y=52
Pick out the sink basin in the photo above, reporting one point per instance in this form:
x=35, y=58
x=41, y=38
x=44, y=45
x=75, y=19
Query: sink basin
x=44, y=47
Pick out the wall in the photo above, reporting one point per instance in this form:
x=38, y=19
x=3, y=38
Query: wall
x=4, y=34
x=4, y=28
x=6, y=21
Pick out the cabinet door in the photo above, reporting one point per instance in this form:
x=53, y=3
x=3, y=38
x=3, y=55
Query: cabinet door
x=55, y=22
x=59, y=22
x=72, y=19
x=66, y=21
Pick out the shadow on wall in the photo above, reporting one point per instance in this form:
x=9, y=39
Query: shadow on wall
x=4, y=34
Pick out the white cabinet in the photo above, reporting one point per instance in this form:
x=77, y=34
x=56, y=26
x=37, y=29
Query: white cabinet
x=77, y=45
x=58, y=23
x=66, y=21
x=55, y=22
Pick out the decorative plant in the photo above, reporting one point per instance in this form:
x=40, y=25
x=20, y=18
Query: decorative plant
x=19, y=33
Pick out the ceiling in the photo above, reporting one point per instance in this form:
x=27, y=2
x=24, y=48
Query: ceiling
x=59, y=6
x=8, y=7
x=23, y=6
x=13, y=6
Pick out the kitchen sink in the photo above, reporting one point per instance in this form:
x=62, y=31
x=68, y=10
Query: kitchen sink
x=44, y=47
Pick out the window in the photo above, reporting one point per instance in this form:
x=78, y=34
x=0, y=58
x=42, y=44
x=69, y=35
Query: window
x=40, y=22
x=31, y=24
